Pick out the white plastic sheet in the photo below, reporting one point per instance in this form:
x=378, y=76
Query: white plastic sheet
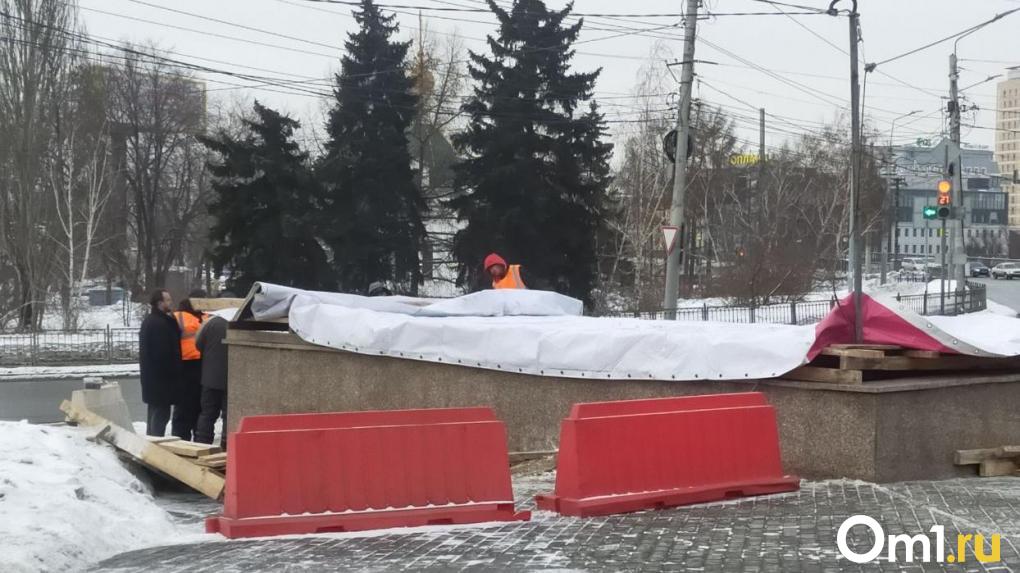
x=537, y=332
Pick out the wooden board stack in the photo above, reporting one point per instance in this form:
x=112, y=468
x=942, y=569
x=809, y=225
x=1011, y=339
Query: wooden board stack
x=198, y=466
x=859, y=363
x=991, y=462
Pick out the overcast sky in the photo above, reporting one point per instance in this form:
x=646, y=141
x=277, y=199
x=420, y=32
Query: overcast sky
x=812, y=86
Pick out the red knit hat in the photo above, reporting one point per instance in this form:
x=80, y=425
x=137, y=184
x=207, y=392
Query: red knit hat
x=493, y=259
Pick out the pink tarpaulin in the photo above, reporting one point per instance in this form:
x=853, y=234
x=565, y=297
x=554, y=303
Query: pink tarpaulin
x=885, y=322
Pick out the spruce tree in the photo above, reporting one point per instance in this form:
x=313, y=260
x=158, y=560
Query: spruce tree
x=535, y=168
x=373, y=218
x=265, y=200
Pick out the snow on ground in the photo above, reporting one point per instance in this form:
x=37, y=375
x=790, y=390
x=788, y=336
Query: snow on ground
x=97, y=317
x=996, y=308
x=67, y=502
x=65, y=372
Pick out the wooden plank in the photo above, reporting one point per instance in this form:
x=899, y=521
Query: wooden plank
x=995, y=468
x=211, y=304
x=922, y=354
x=830, y=375
x=857, y=352
x=217, y=461
x=866, y=346
x=973, y=457
x=942, y=363
x=190, y=449
x=162, y=439
x=517, y=457
x=1008, y=452
x=201, y=479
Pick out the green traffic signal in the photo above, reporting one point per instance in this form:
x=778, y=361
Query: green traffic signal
x=929, y=212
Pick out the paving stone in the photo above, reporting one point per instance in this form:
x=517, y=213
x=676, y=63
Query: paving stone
x=787, y=533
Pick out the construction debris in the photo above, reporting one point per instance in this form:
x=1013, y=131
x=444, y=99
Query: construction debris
x=156, y=456
x=859, y=363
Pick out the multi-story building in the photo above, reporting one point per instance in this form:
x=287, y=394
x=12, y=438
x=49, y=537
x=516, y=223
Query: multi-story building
x=1007, y=149
x=919, y=169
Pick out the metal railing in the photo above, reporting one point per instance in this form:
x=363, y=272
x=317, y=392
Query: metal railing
x=973, y=299
x=57, y=347
x=797, y=312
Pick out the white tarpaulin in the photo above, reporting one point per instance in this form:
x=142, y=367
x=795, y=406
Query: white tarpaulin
x=535, y=332
x=539, y=332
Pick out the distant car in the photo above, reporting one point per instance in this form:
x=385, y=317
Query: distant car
x=1006, y=271
x=979, y=270
x=913, y=264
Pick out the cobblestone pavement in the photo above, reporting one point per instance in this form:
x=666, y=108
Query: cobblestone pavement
x=791, y=533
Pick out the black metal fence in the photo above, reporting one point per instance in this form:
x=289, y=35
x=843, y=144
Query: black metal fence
x=797, y=312
x=973, y=299
x=57, y=347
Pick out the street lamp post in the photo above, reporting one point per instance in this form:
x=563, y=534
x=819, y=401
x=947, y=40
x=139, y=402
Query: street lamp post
x=891, y=218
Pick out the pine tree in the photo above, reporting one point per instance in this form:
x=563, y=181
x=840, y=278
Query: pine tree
x=373, y=217
x=536, y=170
x=265, y=199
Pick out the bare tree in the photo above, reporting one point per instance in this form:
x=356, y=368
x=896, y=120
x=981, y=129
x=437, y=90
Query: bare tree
x=80, y=182
x=633, y=257
x=439, y=84
x=36, y=59
x=156, y=110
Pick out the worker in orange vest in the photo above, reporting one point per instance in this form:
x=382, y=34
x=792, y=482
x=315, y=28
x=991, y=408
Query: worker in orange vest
x=188, y=403
x=502, y=274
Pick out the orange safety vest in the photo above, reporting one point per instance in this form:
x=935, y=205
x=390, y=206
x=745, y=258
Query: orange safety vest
x=189, y=324
x=512, y=278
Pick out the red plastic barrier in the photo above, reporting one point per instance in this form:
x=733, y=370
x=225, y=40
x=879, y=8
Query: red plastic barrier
x=352, y=471
x=617, y=457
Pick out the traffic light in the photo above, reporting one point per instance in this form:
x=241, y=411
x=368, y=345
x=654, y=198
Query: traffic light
x=929, y=212
x=944, y=187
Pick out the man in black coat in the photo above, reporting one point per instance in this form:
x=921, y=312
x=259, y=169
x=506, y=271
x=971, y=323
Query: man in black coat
x=209, y=342
x=159, y=359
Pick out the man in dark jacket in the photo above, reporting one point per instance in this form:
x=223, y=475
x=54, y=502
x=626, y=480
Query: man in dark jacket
x=159, y=359
x=214, y=379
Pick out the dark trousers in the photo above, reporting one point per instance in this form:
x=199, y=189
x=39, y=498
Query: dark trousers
x=156, y=419
x=189, y=401
x=214, y=405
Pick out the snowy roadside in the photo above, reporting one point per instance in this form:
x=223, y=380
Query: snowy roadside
x=27, y=373
x=68, y=503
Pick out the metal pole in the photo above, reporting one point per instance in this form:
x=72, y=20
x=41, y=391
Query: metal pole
x=761, y=154
x=942, y=281
x=959, y=209
x=896, y=221
x=887, y=243
x=683, y=116
x=855, y=166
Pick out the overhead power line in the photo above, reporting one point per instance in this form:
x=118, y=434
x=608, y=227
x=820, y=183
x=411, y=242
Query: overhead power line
x=976, y=27
x=234, y=24
x=578, y=14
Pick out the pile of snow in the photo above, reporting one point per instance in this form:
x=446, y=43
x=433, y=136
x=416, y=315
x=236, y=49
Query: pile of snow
x=67, y=502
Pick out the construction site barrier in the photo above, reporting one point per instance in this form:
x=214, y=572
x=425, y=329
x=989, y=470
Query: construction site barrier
x=353, y=471
x=618, y=457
